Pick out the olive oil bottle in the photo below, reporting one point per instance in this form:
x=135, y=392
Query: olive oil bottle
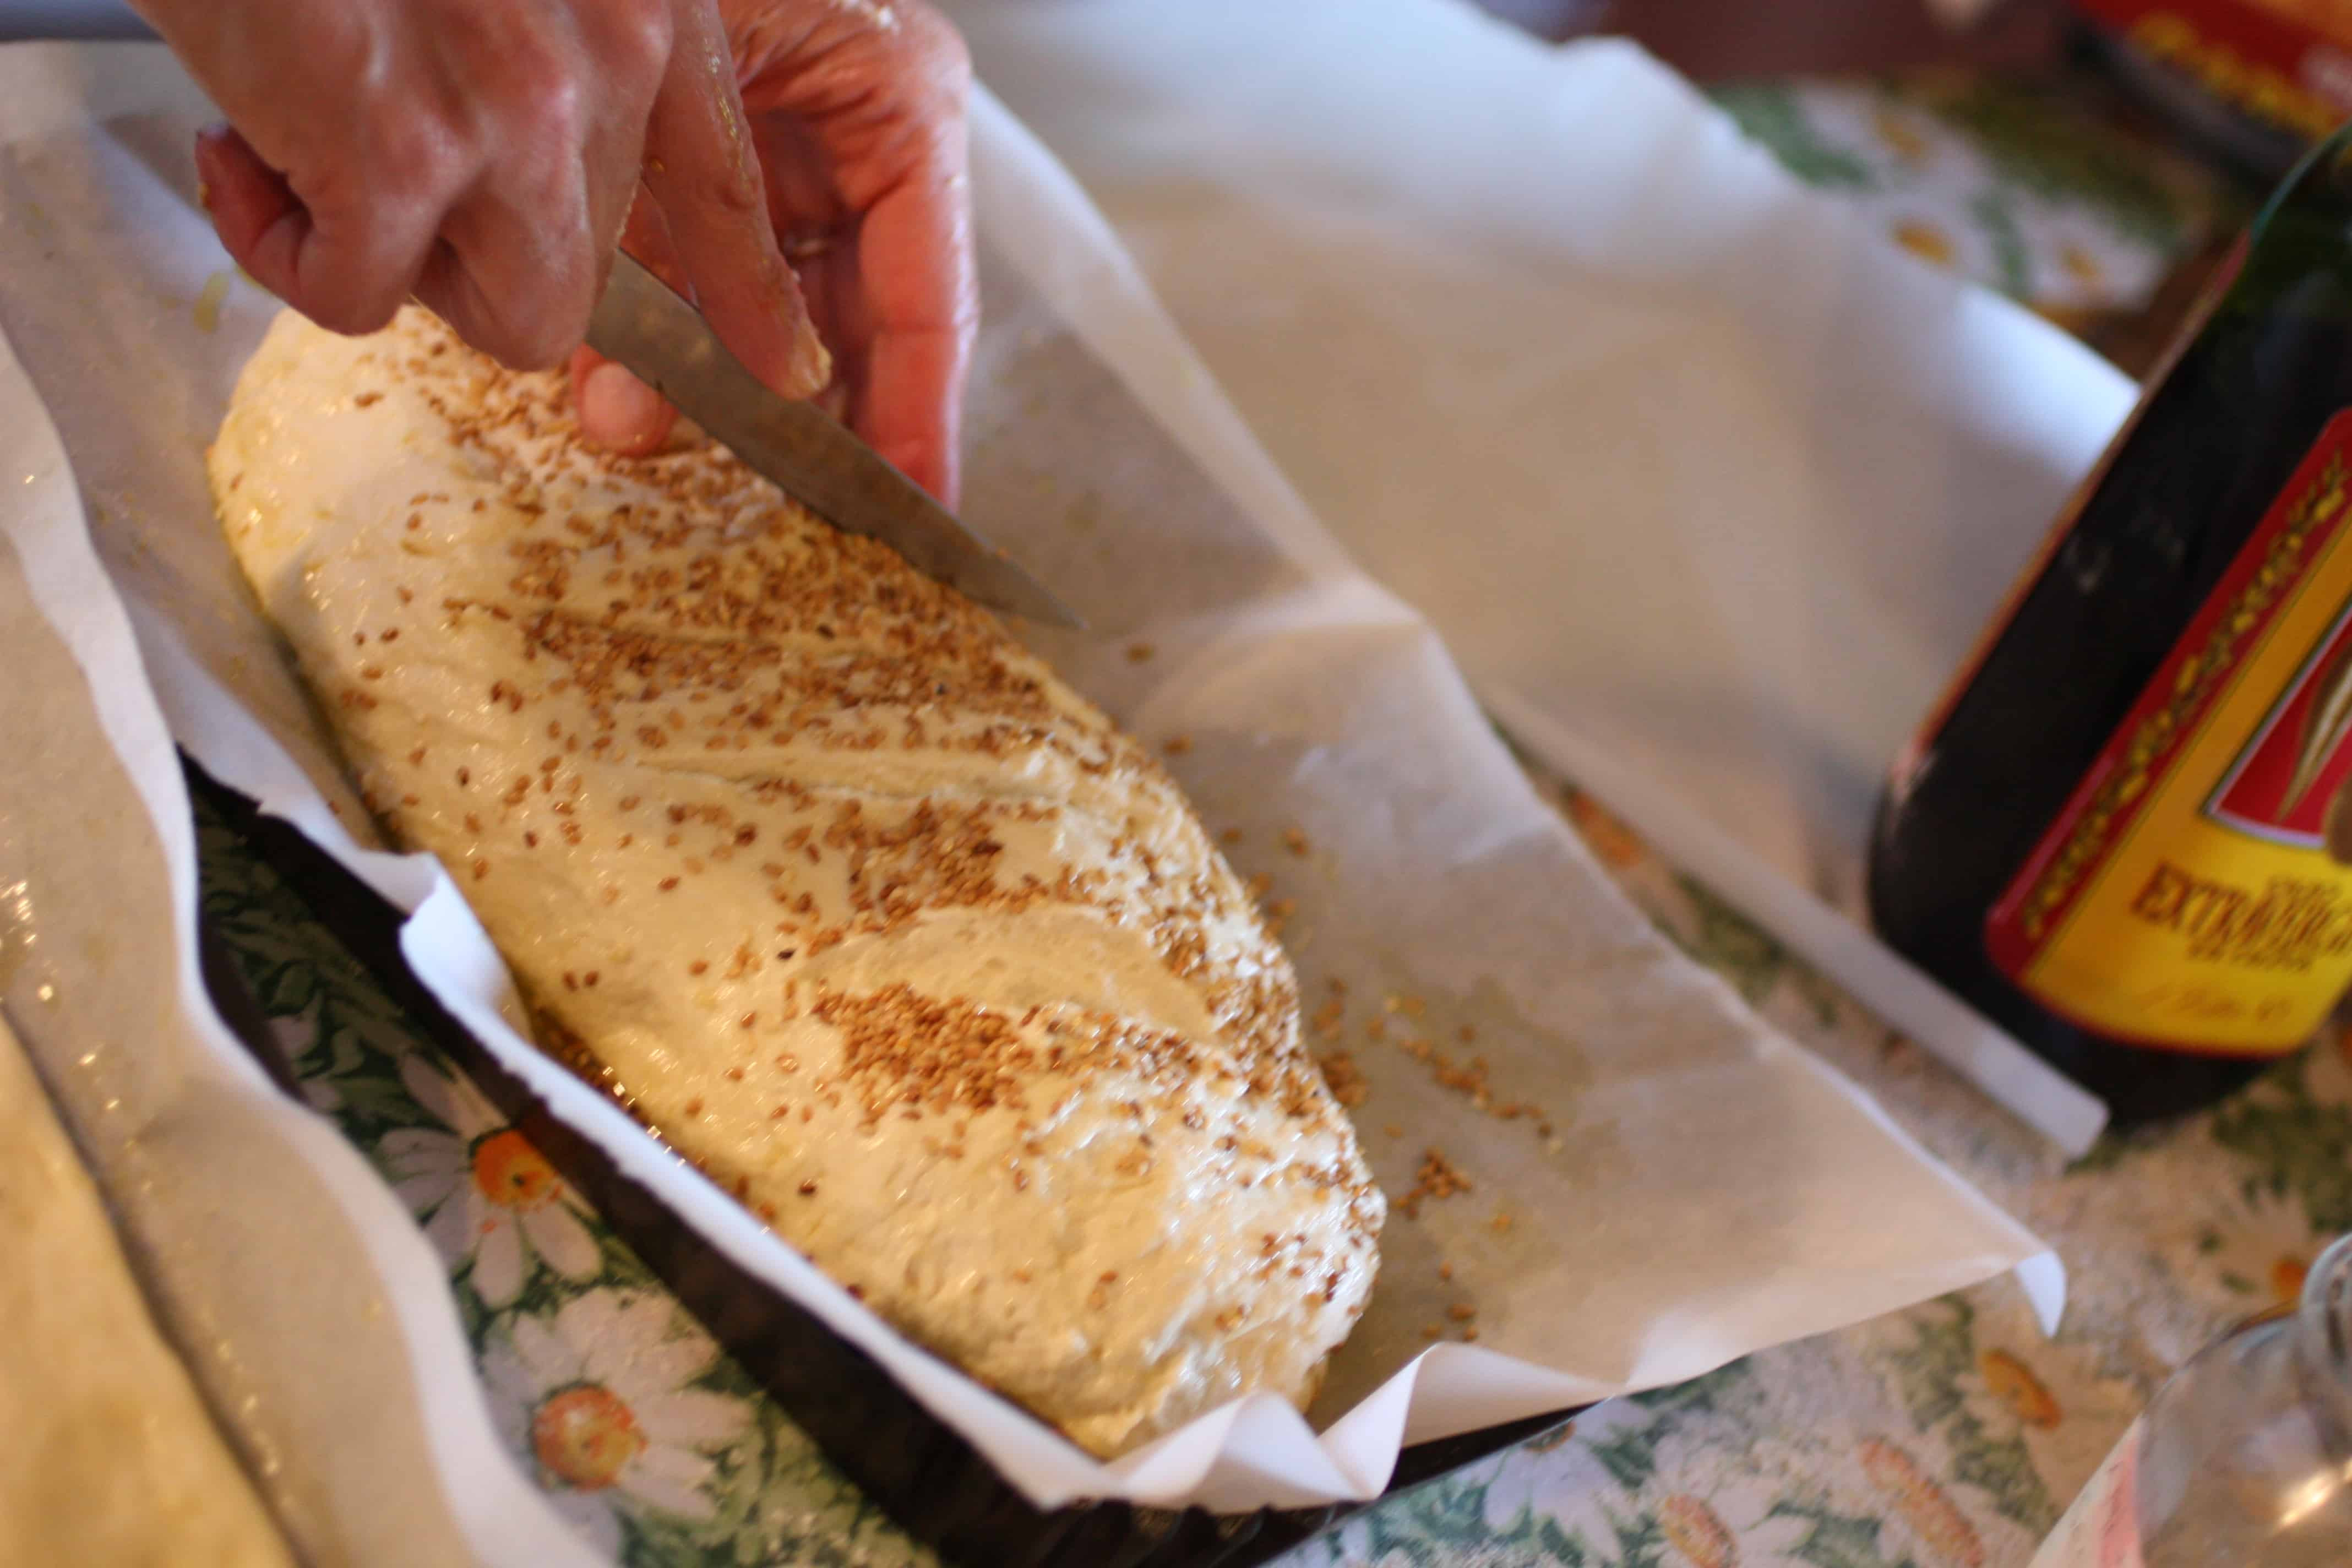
x=2125, y=834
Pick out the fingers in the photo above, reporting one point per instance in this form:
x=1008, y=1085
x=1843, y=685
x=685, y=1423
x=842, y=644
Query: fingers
x=622, y=413
x=345, y=271
x=701, y=169
x=919, y=280
x=917, y=263
x=523, y=254
x=479, y=154
x=866, y=140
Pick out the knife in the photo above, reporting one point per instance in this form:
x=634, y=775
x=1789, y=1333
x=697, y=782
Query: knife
x=641, y=323
x=645, y=325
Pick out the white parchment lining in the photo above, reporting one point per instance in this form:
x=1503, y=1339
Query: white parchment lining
x=1710, y=1189
x=1735, y=482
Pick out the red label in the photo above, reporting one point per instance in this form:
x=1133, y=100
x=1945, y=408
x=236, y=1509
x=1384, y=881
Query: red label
x=2288, y=62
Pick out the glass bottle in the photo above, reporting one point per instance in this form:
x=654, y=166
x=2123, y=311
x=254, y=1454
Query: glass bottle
x=2243, y=1458
x=2113, y=836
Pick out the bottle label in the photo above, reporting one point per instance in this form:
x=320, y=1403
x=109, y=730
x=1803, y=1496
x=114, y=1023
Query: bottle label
x=2282, y=63
x=2196, y=891
x=2102, y=1529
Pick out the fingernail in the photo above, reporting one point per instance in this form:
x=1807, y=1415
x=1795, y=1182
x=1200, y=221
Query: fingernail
x=812, y=366
x=619, y=411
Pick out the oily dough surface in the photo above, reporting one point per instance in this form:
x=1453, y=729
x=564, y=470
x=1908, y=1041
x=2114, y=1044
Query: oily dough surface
x=108, y=1458
x=862, y=909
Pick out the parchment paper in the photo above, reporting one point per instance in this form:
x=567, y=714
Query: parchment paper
x=1689, y=1186
x=309, y=1306
x=1706, y=484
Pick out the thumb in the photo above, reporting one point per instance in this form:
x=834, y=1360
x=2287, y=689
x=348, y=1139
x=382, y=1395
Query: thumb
x=617, y=411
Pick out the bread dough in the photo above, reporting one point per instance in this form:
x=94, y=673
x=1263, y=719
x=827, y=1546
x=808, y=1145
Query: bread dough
x=108, y=1458
x=858, y=905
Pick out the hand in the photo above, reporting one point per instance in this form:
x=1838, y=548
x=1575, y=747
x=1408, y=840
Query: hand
x=857, y=114
x=481, y=155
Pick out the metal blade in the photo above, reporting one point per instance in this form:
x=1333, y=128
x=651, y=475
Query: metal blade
x=644, y=325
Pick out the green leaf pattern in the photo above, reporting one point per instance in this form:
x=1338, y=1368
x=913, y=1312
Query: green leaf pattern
x=1948, y=1435
x=2023, y=191
x=651, y=1443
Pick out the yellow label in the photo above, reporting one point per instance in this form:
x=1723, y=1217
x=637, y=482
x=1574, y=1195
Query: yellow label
x=2187, y=896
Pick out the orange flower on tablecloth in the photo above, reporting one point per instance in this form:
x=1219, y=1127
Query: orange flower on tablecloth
x=1922, y=1503
x=2079, y=264
x=2014, y=1384
x=1923, y=239
x=586, y=1436
x=1899, y=136
x=1606, y=836
x=1697, y=1532
x=1551, y=1439
x=2287, y=1273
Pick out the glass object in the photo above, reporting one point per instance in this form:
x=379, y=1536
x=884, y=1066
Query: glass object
x=2113, y=838
x=2243, y=1458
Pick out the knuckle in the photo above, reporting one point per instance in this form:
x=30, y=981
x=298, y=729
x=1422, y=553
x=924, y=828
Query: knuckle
x=412, y=153
x=642, y=32
x=733, y=199
x=545, y=98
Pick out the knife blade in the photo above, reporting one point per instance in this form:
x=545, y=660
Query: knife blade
x=646, y=326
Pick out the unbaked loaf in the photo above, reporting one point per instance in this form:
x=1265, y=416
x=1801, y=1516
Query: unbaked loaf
x=849, y=898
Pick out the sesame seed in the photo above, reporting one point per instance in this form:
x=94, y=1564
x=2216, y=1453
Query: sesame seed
x=672, y=620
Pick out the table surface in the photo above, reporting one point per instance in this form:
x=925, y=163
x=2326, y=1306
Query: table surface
x=1950, y=1433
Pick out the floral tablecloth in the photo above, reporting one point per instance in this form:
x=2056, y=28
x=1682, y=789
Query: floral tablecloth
x=1952, y=1434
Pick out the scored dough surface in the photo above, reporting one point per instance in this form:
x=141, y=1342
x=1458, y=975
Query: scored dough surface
x=860, y=908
